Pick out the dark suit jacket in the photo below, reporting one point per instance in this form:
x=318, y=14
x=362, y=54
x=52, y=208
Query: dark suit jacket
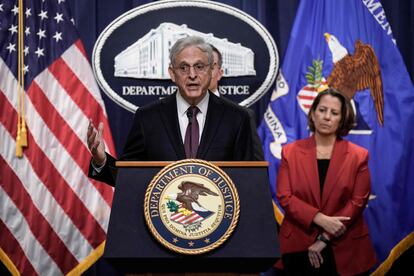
x=155, y=136
x=257, y=145
x=345, y=193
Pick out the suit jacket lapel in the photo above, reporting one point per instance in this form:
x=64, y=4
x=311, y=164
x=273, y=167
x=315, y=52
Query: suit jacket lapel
x=311, y=169
x=214, y=117
x=168, y=113
x=335, y=169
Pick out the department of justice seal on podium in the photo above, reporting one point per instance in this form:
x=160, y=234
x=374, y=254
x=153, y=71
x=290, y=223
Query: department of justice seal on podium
x=191, y=206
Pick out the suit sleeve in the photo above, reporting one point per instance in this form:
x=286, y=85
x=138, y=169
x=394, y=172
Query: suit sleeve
x=295, y=208
x=360, y=195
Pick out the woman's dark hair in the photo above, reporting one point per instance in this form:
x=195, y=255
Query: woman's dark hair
x=347, y=113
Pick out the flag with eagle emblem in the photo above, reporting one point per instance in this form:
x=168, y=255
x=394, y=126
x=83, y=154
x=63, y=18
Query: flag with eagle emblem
x=348, y=45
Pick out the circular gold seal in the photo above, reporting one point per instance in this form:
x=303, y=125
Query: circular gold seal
x=191, y=206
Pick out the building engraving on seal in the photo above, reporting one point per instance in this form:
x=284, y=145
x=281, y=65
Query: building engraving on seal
x=148, y=57
x=191, y=207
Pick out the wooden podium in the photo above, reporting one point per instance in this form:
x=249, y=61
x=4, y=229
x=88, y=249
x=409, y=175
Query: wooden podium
x=252, y=248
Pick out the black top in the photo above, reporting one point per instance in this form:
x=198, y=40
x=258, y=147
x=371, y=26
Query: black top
x=323, y=165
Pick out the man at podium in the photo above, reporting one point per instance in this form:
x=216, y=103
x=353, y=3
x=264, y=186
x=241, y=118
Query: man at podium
x=192, y=123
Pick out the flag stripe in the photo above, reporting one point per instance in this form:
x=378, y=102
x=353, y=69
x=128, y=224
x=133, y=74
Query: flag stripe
x=46, y=204
x=76, y=179
x=307, y=92
x=193, y=219
x=40, y=227
x=78, y=65
x=60, y=189
x=81, y=49
x=76, y=58
x=66, y=197
x=69, y=81
x=303, y=97
x=58, y=125
x=16, y=223
x=308, y=88
x=13, y=250
x=185, y=219
x=69, y=95
x=51, y=114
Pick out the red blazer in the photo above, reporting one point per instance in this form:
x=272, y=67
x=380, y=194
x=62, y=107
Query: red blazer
x=345, y=193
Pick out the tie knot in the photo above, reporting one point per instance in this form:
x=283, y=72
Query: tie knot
x=192, y=111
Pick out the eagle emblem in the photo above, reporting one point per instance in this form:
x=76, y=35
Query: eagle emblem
x=353, y=73
x=350, y=74
x=184, y=206
x=189, y=195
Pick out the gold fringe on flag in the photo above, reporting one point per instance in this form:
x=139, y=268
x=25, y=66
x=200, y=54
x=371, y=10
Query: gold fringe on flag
x=21, y=137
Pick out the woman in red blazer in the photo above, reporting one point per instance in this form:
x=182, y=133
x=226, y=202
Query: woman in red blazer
x=323, y=186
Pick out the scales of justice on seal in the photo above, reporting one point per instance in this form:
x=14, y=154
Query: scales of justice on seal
x=192, y=216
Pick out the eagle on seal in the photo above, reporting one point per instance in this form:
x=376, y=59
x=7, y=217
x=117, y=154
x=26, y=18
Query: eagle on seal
x=351, y=74
x=189, y=195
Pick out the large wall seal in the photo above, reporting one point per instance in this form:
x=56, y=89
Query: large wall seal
x=130, y=58
x=191, y=206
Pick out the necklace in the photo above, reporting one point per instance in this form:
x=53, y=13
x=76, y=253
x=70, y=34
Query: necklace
x=322, y=154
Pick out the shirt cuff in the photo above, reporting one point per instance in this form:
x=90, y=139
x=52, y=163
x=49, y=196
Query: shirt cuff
x=97, y=169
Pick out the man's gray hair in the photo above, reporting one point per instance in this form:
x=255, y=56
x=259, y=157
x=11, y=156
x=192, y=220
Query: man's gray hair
x=189, y=41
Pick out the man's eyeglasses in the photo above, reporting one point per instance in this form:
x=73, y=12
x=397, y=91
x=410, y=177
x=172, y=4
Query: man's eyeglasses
x=198, y=68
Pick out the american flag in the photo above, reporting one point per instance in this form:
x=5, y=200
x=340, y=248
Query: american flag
x=53, y=218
